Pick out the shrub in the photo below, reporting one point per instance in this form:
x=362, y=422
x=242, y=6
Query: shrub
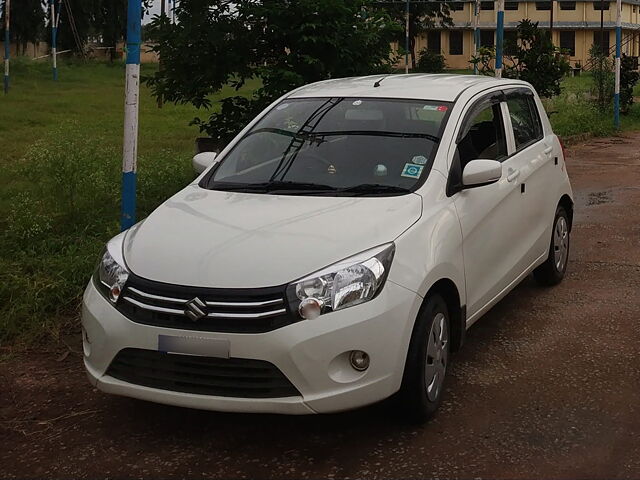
x=628, y=79
x=430, y=62
x=60, y=212
x=603, y=78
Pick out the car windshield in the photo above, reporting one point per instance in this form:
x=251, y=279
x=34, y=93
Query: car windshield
x=335, y=146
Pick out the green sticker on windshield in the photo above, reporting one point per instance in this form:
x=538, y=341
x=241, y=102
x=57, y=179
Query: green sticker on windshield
x=412, y=171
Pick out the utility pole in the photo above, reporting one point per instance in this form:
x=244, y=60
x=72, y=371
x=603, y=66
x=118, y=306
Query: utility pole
x=551, y=21
x=7, y=44
x=162, y=16
x=616, y=96
x=406, y=38
x=602, y=52
x=132, y=90
x=476, y=32
x=499, y=38
x=54, y=39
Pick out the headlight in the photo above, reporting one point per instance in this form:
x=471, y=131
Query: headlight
x=111, y=274
x=349, y=282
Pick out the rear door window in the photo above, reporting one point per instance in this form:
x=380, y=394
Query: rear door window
x=525, y=118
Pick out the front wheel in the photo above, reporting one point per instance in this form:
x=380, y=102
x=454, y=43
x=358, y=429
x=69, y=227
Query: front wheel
x=552, y=271
x=427, y=362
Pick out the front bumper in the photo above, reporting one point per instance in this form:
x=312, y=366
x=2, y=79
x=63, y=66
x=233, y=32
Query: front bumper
x=312, y=354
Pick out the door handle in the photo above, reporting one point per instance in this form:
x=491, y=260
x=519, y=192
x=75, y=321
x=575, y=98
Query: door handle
x=548, y=150
x=512, y=174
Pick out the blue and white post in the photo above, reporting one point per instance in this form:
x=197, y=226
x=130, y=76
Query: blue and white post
x=132, y=90
x=406, y=38
x=499, y=38
x=54, y=40
x=616, y=96
x=7, y=44
x=476, y=32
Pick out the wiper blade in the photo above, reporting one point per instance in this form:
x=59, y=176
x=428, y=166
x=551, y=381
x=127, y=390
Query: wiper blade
x=374, y=188
x=273, y=187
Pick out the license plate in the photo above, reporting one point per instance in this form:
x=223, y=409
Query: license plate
x=204, y=347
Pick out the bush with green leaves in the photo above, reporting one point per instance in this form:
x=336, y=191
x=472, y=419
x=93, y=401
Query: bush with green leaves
x=602, y=71
x=431, y=62
x=60, y=213
x=629, y=77
x=532, y=57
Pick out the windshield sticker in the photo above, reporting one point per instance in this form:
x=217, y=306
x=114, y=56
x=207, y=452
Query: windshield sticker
x=419, y=160
x=282, y=107
x=357, y=102
x=436, y=108
x=412, y=171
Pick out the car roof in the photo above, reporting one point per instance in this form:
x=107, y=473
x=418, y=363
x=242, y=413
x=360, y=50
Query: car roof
x=438, y=87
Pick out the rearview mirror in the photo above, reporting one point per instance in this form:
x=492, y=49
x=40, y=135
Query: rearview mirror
x=203, y=160
x=481, y=172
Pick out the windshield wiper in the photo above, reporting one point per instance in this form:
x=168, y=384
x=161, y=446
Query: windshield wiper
x=366, y=188
x=277, y=186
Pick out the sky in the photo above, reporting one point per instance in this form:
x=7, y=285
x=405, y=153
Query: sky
x=155, y=10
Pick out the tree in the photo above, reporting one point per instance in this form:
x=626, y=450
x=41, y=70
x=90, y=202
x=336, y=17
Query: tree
x=532, y=57
x=109, y=20
x=286, y=44
x=27, y=22
x=535, y=59
x=422, y=17
x=628, y=79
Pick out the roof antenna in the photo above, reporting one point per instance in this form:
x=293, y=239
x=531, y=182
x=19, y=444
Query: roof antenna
x=377, y=84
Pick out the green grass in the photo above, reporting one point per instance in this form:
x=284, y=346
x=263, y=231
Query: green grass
x=60, y=166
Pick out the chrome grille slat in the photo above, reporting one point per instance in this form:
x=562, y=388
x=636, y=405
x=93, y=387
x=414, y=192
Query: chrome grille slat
x=234, y=310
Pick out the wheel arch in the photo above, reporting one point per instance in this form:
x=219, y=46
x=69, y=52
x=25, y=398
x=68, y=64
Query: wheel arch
x=566, y=203
x=448, y=290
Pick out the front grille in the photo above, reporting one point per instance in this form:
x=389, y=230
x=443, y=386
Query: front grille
x=232, y=377
x=205, y=309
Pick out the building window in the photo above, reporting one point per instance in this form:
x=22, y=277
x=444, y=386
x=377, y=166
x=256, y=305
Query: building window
x=601, y=5
x=486, y=38
x=510, y=42
x=433, y=41
x=511, y=5
x=634, y=9
x=455, y=42
x=567, y=5
x=568, y=42
x=601, y=40
x=486, y=5
x=543, y=5
x=456, y=6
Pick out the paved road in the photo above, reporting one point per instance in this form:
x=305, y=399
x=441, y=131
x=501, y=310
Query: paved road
x=547, y=385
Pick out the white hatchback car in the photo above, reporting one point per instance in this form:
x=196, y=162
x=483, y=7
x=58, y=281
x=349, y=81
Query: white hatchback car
x=336, y=251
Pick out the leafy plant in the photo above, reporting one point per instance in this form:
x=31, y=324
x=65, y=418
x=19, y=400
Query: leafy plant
x=603, y=78
x=431, y=62
x=532, y=57
x=628, y=79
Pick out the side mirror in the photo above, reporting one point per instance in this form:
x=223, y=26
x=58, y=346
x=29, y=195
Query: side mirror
x=481, y=172
x=203, y=160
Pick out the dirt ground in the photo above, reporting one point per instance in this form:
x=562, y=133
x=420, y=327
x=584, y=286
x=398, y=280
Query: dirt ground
x=547, y=385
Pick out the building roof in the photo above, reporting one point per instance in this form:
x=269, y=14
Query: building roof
x=439, y=87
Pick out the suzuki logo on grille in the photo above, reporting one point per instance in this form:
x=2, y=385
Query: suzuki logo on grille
x=194, y=309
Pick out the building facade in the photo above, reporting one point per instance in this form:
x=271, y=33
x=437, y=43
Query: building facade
x=576, y=27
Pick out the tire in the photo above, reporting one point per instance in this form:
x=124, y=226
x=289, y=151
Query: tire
x=427, y=361
x=552, y=271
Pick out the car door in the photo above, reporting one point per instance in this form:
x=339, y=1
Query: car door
x=532, y=165
x=490, y=215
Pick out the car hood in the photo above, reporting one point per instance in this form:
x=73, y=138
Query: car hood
x=243, y=240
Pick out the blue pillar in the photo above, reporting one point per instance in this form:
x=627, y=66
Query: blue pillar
x=54, y=40
x=499, y=38
x=7, y=44
x=476, y=32
x=130, y=140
